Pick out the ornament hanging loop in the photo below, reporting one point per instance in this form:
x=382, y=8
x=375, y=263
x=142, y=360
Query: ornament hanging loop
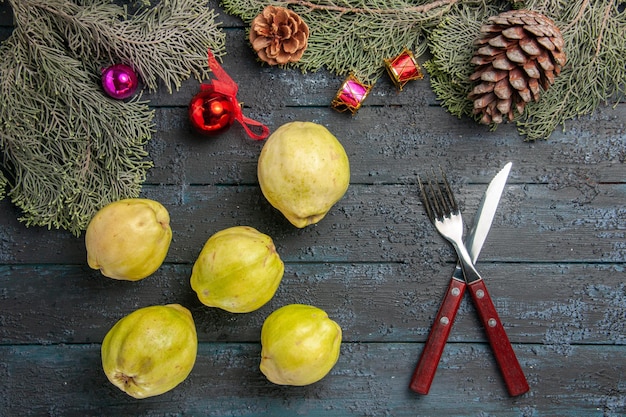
x=215, y=108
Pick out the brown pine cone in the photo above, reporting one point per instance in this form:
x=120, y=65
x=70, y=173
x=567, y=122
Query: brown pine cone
x=278, y=35
x=520, y=52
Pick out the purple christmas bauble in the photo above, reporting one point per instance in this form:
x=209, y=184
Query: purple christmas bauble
x=119, y=81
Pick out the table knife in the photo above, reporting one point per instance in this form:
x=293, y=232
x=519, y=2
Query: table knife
x=426, y=368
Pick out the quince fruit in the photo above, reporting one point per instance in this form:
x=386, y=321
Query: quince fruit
x=128, y=239
x=238, y=270
x=303, y=170
x=299, y=345
x=151, y=350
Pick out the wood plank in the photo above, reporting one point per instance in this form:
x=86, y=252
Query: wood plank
x=391, y=145
x=380, y=223
x=369, y=379
x=558, y=305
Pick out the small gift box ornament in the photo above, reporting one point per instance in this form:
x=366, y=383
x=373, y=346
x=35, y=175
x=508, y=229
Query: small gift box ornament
x=351, y=95
x=403, y=69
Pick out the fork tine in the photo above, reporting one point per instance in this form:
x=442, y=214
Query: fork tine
x=453, y=206
x=438, y=197
x=429, y=197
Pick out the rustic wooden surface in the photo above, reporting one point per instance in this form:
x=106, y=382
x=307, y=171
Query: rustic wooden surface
x=554, y=262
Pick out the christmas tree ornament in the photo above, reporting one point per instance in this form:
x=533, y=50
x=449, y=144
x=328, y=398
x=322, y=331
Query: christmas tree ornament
x=351, y=95
x=520, y=53
x=403, y=68
x=215, y=108
x=278, y=35
x=211, y=112
x=119, y=81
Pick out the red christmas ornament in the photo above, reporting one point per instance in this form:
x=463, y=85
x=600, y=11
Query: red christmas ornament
x=211, y=112
x=215, y=108
x=119, y=81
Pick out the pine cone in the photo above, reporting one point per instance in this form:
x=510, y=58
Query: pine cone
x=279, y=35
x=520, y=51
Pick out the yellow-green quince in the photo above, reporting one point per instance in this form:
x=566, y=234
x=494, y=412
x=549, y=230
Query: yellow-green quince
x=303, y=170
x=300, y=344
x=151, y=350
x=128, y=239
x=238, y=270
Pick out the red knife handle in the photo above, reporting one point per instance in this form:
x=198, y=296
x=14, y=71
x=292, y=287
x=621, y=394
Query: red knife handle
x=510, y=368
x=429, y=360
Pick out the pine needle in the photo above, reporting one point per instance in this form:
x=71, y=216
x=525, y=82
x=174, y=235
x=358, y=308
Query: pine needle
x=357, y=35
x=67, y=148
x=594, y=32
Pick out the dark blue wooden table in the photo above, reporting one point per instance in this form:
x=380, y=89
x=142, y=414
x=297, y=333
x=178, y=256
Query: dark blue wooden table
x=554, y=262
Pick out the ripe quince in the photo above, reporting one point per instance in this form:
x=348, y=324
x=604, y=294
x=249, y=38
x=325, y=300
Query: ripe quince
x=128, y=239
x=151, y=350
x=299, y=345
x=303, y=170
x=238, y=270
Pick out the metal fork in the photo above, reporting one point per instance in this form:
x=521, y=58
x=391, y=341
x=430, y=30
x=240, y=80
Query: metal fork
x=444, y=212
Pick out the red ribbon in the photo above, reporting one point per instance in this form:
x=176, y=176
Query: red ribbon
x=225, y=85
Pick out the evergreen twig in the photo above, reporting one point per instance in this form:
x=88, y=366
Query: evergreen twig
x=356, y=35
x=595, y=42
x=422, y=8
x=167, y=42
x=68, y=149
x=595, y=74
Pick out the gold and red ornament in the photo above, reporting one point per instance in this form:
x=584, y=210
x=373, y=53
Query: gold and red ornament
x=519, y=53
x=351, y=95
x=403, y=68
x=215, y=108
x=119, y=81
x=278, y=35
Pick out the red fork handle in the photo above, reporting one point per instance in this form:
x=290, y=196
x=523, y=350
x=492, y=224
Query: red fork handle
x=510, y=368
x=429, y=360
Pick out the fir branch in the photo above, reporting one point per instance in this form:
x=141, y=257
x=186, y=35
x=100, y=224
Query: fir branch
x=356, y=36
x=451, y=45
x=423, y=8
x=595, y=74
x=167, y=42
x=4, y=182
x=67, y=148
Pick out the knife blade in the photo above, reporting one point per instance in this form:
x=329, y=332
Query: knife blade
x=426, y=368
x=486, y=212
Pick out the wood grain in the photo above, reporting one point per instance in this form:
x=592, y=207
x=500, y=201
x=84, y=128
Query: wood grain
x=554, y=263
x=370, y=379
x=555, y=304
x=371, y=223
